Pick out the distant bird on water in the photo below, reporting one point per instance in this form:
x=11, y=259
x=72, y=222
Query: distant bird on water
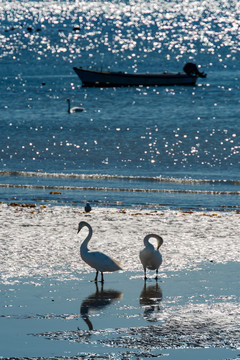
x=150, y=257
x=95, y=259
x=74, y=109
x=88, y=207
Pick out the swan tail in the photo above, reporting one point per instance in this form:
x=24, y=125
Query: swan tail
x=119, y=266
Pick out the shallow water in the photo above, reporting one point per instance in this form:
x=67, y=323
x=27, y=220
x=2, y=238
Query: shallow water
x=114, y=191
x=193, y=312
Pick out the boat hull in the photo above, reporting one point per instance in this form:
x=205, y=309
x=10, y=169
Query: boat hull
x=91, y=78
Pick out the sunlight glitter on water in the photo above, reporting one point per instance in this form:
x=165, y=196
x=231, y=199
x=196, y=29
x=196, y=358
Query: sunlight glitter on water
x=124, y=36
x=144, y=132
x=142, y=27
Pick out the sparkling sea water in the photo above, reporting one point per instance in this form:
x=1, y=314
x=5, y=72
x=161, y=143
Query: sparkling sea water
x=157, y=147
x=144, y=149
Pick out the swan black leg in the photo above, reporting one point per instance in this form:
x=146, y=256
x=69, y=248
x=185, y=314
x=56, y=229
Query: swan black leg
x=145, y=274
x=96, y=276
x=156, y=274
x=102, y=281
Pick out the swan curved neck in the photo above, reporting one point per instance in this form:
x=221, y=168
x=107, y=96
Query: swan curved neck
x=157, y=237
x=88, y=238
x=146, y=240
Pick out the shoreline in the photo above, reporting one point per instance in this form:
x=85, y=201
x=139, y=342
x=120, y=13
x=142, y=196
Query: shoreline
x=49, y=235
x=46, y=288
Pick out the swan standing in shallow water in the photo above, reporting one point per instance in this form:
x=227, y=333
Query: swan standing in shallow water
x=74, y=109
x=95, y=259
x=150, y=257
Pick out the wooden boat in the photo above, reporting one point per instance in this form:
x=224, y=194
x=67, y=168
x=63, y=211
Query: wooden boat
x=92, y=78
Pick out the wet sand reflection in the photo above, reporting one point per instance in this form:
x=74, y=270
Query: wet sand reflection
x=96, y=301
x=150, y=298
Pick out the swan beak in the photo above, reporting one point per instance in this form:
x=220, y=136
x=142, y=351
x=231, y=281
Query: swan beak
x=79, y=228
x=160, y=242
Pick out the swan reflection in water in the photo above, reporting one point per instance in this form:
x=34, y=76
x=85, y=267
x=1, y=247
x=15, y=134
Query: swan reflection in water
x=150, y=298
x=97, y=301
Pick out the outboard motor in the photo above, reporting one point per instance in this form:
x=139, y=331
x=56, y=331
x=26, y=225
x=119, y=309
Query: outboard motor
x=191, y=69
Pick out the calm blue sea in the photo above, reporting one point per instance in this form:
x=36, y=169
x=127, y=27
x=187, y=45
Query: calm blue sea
x=156, y=147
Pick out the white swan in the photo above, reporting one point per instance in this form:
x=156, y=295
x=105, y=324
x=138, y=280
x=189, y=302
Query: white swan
x=97, y=260
x=74, y=109
x=150, y=257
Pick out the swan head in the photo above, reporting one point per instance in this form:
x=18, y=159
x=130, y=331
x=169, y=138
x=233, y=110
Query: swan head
x=159, y=241
x=155, y=236
x=82, y=224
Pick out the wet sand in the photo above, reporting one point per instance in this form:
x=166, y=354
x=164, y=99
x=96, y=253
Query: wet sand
x=51, y=309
